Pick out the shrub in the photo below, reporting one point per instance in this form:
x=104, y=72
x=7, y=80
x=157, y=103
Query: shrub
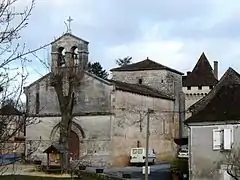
x=180, y=165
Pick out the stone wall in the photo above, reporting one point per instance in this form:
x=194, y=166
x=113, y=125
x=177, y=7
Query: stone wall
x=93, y=96
x=94, y=137
x=163, y=80
x=129, y=110
x=194, y=95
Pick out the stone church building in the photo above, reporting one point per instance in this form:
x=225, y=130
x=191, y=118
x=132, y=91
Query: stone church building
x=109, y=115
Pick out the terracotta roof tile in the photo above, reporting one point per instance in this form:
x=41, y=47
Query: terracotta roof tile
x=202, y=74
x=222, y=103
x=146, y=64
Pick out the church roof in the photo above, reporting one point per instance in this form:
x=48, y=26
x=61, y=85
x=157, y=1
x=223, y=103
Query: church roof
x=9, y=110
x=222, y=103
x=133, y=88
x=146, y=64
x=71, y=35
x=140, y=89
x=202, y=74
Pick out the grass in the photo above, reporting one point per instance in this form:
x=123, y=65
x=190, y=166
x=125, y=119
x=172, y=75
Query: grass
x=22, y=177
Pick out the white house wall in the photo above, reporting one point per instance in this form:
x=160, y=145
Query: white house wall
x=204, y=161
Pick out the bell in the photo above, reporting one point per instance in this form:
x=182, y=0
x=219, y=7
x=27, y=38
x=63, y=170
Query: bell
x=62, y=60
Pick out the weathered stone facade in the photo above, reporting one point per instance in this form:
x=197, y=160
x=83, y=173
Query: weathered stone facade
x=129, y=126
x=94, y=95
x=107, y=120
x=163, y=80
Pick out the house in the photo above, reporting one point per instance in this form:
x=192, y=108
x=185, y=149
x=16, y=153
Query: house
x=11, y=131
x=109, y=115
x=198, y=83
x=214, y=128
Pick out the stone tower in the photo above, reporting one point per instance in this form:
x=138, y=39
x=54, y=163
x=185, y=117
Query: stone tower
x=69, y=54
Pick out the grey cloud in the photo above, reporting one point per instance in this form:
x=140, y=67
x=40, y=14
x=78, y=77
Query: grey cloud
x=228, y=29
x=109, y=23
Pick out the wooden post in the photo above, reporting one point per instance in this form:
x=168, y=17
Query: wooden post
x=47, y=160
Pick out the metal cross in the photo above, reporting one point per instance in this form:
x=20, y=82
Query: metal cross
x=69, y=24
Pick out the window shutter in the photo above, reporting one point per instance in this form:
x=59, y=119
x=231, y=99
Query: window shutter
x=217, y=139
x=227, y=139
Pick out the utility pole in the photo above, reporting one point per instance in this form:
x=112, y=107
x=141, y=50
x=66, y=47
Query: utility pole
x=147, y=143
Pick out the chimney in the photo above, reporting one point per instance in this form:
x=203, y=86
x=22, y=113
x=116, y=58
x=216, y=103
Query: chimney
x=215, y=71
x=188, y=73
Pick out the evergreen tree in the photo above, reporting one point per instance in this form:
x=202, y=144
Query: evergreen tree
x=97, y=69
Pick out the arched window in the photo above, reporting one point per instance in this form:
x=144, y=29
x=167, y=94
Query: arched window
x=75, y=55
x=61, y=57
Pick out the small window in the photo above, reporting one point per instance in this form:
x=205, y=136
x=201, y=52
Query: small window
x=210, y=87
x=199, y=87
x=140, y=81
x=37, y=103
x=189, y=88
x=140, y=151
x=134, y=151
x=162, y=81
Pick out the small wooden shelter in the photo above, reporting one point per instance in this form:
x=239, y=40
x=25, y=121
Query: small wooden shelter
x=53, y=155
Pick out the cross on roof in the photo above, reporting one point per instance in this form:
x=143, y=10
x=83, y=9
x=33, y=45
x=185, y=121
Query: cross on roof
x=69, y=24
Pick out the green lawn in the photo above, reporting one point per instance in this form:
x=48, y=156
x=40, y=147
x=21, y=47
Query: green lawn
x=19, y=177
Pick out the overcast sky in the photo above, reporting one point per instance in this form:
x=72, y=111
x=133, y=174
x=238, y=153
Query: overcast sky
x=173, y=33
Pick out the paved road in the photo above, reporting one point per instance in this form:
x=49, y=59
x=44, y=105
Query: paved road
x=158, y=172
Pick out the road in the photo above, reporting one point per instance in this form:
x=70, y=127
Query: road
x=158, y=172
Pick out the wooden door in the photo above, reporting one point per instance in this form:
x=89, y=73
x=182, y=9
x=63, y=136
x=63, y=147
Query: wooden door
x=74, y=146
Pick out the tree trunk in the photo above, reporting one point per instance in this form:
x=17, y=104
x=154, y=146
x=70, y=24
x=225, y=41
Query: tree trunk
x=66, y=102
x=65, y=129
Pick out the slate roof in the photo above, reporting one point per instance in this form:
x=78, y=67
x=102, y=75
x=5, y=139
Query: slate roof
x=202, y=74
x=222, y=103
x=146, y=64
x=9, y=110
x=140, y=89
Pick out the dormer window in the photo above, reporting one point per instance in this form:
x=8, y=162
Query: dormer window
x=189, y=88
x=140, y=81
x=199, y=87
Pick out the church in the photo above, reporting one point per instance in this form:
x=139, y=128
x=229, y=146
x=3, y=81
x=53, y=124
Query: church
x=109, y=115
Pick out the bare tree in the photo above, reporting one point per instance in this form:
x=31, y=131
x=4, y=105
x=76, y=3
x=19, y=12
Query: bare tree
x=65, y=82
x=130, y=115
x=233, y=163
x=13, y=74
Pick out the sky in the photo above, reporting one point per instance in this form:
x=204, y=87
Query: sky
x=173, y=33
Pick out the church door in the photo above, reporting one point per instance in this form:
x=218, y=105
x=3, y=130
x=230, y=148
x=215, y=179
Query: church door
x=74, y=146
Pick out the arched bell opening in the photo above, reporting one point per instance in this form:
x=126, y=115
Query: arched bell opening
x=75, y=55
x=61, y=57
